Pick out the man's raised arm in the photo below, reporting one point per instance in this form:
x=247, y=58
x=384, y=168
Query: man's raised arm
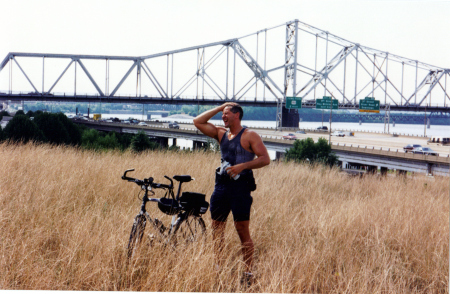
x=201, y=121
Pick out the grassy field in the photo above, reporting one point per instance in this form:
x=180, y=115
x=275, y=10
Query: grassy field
x=65, y=218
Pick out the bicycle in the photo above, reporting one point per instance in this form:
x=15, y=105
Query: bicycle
x=186, y=210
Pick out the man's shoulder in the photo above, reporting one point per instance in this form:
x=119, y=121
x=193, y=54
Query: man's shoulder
x=249, y=132
x=251, y=135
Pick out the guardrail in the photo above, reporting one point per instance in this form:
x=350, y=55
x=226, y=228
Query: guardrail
x=396, y=154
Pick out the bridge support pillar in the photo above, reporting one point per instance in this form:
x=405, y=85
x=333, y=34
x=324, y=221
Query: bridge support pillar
x=401, y=173
x=384, y=171
x=164, y=142
x=198, y=145
x=372, y=169
x=429, y=165
x=289, y=118
x=279, y=155
x=174, y=141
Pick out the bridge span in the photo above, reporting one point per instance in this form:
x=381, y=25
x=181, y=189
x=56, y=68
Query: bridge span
x=370, y=151
x=293, y=59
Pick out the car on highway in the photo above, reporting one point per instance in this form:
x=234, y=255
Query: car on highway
x=322, y=128
x=424, y=150
x=338, y=134
x=142, y=124
x=289, y=136
x=300, y=132
x=410, y=147
x=174, y=125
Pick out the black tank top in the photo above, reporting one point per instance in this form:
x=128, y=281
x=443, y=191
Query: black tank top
x=233, y=152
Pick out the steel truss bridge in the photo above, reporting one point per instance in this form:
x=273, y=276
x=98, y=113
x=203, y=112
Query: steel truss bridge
x=260, y=69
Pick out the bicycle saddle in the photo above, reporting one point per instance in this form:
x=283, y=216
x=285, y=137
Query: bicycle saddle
x=183, y=178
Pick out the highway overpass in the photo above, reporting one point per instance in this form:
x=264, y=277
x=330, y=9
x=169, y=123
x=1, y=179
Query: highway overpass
x=350, y=155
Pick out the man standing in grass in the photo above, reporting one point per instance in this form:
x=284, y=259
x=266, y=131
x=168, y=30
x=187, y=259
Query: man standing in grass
x=238, y=147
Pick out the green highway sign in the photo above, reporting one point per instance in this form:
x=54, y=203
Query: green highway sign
x=369, y=104
x=293, y=102
x=325, y=103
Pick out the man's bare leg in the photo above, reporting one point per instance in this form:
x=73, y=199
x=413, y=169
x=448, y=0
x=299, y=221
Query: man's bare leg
x=243, y=230
x=218, y=229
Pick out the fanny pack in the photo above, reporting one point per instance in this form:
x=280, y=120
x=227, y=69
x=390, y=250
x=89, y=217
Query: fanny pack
x=246, y=178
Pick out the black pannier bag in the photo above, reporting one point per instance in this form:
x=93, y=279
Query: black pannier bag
x=168, y=206
x=194, y=203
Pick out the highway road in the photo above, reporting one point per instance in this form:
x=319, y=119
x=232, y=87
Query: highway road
x=361, y=139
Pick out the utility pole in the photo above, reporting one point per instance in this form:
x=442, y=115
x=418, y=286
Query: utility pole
x=425, y=123
x=331, y=112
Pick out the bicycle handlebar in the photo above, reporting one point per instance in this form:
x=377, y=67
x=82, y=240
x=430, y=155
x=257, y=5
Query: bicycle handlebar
x=147, y=182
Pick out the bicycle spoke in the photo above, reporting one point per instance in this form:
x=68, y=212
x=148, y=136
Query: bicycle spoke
x=189, y=229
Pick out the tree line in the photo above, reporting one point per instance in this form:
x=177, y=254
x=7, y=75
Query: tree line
x=56, y=128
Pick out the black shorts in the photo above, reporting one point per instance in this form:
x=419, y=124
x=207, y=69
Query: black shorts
x=231, y=195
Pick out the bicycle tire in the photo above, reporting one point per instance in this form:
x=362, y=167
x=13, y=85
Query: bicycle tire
x=189, y=229
x=137, y=232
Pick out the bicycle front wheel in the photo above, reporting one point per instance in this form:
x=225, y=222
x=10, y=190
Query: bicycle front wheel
x=137, y=232
x=189, y=229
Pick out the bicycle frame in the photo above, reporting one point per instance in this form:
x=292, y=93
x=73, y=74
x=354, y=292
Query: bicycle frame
x=147, y=185
x=183, y=223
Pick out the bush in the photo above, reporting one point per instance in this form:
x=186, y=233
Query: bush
x=72, y=129
x=109, y=141
x=141, y=142
x=89, y=138
x=93, y=139
x=2, y=134
x=53, y=129
x=308, y=151
x=19, y=112
x=124, y=140
x=21, y=128
x=3, y=113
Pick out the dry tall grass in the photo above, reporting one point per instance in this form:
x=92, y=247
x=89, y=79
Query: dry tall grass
x=65, y=217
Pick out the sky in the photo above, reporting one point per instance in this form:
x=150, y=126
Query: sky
x=414, y=29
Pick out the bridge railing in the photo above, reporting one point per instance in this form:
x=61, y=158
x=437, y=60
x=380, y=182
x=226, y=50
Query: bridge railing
x=392, y=153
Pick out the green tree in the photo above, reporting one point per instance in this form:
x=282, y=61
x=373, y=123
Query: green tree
x=3, y=113
x=89, y=139
x=2, y=134
x=19, y=112
x=21, y=128
x=72, y=129
x=109, y=141
x=124, y=140
x=308, y=151
x=141, y=142
x=53, y=129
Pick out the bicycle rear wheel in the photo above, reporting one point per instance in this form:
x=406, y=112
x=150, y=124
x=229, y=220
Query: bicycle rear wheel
x=189, y=229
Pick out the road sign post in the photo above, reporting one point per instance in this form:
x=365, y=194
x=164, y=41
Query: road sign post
x=327, y=103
